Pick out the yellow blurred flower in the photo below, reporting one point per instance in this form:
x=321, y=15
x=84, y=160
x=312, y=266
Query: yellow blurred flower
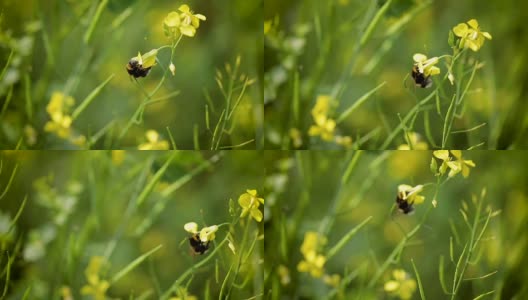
x=250, y=202
x=58, y=109
x=154, y=142
x=415, y=142
x=324, y=126
x=403, y=286
x=332, y=280
x=184, y=295
x=118, y=156
x=344, y=141
x=295, y=136
x=284, y=275
x=95, y=286
x=313, y=262
x=470, y=35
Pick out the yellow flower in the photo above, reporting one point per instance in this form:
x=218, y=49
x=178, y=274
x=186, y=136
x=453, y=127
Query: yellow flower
x=464, y=164
x=402, y=286
x=57, y=109
x=455, y=166
x=411, y=194
x=95, y=286
x=332, y=280
x=470, y=36
x=313, y=262
x=324, y=126
x=207, y=234
x=416, y=142
x=154, y=142
x=284, y=275
x=426, y=66
x=118, y=156
x=189, y=21
x=344, y=141
x=249, y=201
x=296, y=137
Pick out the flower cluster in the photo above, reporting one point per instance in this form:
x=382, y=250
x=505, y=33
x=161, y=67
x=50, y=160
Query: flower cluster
x=250, y=202
x=207, y=234
x=454, y=162
x=184, y=22
x=154, y=142
x=470, y=36
x=324, y=125
x=408, y=196
x=402, y=286
x=95, y=286
x=59, y=109
x=313, y=262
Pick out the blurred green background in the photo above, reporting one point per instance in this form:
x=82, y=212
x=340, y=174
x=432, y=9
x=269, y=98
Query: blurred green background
x=304, y=194
x=47, y=38
x=78, y=202
x=318, y=42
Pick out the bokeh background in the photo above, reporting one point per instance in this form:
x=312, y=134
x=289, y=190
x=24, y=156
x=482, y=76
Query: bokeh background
x=319, y=39
x=48, y=40
x=78, y=202
x=302, y=188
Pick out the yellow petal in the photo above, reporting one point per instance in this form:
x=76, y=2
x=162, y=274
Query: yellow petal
x=184, y=8
x=473, y=23
x=441, y=154
x=434, y=71
x=460, y=30
x=456, y=153
x=486, y=35
x=256, y=214
x=188, y=30
x=201, y=17
x=391, y=286
x=152, y=136
x=191, y=227
x=418, y=57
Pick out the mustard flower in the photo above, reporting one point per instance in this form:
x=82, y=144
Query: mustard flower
x=207, y=234
x=344, y=141
x=324, y=126
x=457, y=165
x=284, y=275
x=154, y=142
x=402, y=286
x=332, y=280
x=95, y=286
x=58, y=109
x=464, y=164
x=415, y=142
x=426, y=66
x=470, y=35
x=249, y=201
x=189, y=21
x=313, y=262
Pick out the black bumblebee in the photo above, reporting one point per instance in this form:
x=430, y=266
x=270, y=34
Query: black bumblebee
x=197, y=245
x=420, y=79
x=135, y=69
x=404, y=205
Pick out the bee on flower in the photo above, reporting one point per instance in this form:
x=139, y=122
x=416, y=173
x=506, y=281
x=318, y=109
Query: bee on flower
x=199, y=240
x=423, y=69
x=408, y=196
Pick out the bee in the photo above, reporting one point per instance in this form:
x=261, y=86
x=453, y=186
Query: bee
x=404, y=205
x=420, y=79
x=135, y=69
x=197, y=245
